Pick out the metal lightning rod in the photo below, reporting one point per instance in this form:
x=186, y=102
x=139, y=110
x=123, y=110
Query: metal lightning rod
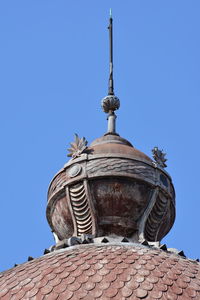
x=111, y=82
x=110, y=103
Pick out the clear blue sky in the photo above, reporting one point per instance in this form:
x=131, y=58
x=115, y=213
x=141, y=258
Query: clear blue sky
x=53, y=74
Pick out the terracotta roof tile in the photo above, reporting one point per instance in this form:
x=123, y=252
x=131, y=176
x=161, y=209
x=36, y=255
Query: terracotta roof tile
x=54, y=296
x=60, y=288
x=65, y=296
x=147, y=286
x=82, y=279
x=171, y=296
x=125, y=276
x=96, y=278
x=104, y=285
x=111, y=292
x=32, y=292
x=118, y=284
x=3, y=292
x=103, y=271
x=81, y=294
x=126, y=292
x=141, y=293
x=74, y=286
x=108, y=271
x=88, y=286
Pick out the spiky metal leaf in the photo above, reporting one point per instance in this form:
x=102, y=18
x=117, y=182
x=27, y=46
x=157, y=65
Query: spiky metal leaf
x=159, y=157
x=77, y=147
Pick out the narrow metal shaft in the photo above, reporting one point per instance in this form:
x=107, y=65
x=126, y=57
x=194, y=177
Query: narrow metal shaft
x=111, y=82
x=111, y=123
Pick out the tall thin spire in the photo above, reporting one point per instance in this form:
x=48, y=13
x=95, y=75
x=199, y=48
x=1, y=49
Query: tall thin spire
x=110, y=103
x=111, y=82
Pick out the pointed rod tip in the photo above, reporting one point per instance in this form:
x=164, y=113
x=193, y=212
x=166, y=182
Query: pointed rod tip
x=110, y=12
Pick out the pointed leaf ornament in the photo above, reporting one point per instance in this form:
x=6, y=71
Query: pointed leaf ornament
x=77, y=147
x=159, y=157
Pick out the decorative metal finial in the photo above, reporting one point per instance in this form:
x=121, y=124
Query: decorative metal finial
x=77, y=147
x=111, y=82
x=110, y=103
x=159, y=157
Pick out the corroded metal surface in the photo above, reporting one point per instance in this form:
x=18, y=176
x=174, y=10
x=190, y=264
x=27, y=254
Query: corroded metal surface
x=119, y=204
x=110, y=138
x=119, y=188
x=158, y=218
x=113, y=271
x=118, y=148
x=105, y=166
x=61, y=220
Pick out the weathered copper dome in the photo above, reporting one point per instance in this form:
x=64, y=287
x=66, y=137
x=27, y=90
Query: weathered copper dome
x=112, y=143
x=111, y=188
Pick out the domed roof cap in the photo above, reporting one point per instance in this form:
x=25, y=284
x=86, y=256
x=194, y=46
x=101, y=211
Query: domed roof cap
x=113, y=144
x=110, y=138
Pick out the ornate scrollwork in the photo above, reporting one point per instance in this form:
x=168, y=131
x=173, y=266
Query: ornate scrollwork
x=155, y=218
x=81, y=209
x=77, y=147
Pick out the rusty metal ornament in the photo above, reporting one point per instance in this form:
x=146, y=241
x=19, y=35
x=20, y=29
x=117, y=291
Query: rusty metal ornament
x=110, y=103
x=74, y=170
x=159, y=157
x=77, y=147
x=80, y=207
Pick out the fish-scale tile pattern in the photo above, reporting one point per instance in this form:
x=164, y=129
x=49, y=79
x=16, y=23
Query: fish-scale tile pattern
x=111, y=271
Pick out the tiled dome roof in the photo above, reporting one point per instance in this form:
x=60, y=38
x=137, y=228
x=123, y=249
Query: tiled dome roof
x=109, y=271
